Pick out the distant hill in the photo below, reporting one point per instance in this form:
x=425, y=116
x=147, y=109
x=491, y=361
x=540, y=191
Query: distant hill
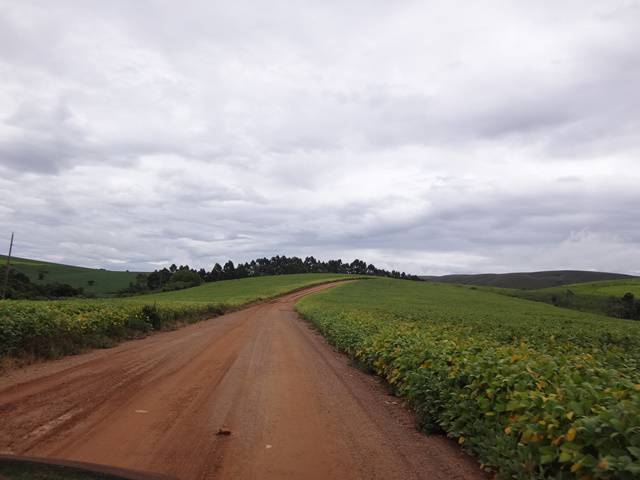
x=605, y=297
x=103, y=281
x=530, y=280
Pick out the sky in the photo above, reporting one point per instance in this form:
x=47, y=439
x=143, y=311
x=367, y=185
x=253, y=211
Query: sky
x=432, y=137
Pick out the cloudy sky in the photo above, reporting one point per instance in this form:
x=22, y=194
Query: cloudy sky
x=432, y=137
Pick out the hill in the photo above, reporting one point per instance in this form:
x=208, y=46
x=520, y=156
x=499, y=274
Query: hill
x=530, y=280
x=103, y=282
x=615, y=288
x=240, y=291
x=604, y=298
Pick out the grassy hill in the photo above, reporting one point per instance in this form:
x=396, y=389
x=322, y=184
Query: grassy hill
x=239, y=291
x=596, y=297
x=615, y=288
x=530, y=280
x=104, y=281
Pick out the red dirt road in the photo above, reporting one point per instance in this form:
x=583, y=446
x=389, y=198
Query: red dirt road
x=295, y=408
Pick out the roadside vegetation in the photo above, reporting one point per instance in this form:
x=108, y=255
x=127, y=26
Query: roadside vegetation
x=534, y=391
x=48, y=329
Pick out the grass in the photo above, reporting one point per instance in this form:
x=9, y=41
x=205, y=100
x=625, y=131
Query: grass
x=616, y=288
x=104, y=281
x=610, y=288
x=240, y=291
x=594, y=297
x=530, y=280
x=48, y=329
x=533, y=390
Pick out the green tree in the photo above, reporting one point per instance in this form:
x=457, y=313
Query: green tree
x=185, y=276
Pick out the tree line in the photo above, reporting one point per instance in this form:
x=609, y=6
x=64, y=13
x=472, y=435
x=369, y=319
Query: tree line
x=178, y=277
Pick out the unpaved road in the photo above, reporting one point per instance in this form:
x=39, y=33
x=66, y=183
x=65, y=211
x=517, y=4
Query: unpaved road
x=295, y=408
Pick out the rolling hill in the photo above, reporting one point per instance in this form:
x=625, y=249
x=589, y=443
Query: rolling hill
x=614, y=288
x=103, y=281
x=604, y=297
x=530, y=280
x=241, y=290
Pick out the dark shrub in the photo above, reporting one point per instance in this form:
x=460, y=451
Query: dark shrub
x=153, y=316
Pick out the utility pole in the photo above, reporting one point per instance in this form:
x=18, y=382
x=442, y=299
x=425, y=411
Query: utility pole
x=6, y=271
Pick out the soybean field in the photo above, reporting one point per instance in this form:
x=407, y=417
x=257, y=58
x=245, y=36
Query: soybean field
x=535, y=391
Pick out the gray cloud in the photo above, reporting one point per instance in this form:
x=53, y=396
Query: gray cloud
x=416, y=135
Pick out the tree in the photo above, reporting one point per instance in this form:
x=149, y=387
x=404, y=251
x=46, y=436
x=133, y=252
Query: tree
x=216, y=273
x=628, y=301
x=229, y=270
x=186, y=276
x=358, y=267
x=252, y=268
x=242, y=271
x=90, y=282
x=158, y=279
x=203, y=274
x=311, y=265
x=335, y=266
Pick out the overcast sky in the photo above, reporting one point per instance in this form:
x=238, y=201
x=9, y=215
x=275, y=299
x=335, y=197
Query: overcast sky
x=432, y=137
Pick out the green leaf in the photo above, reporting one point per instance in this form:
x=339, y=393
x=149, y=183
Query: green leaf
x=635, y=451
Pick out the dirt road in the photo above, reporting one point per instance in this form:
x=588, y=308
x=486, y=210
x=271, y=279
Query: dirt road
x=294, y=408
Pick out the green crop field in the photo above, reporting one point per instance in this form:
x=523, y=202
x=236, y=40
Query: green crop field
x=535, y=391
x=104, y=282
x=46, y=329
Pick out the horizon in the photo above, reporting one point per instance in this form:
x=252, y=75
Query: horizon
x=415, y=136
x=221, y=262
